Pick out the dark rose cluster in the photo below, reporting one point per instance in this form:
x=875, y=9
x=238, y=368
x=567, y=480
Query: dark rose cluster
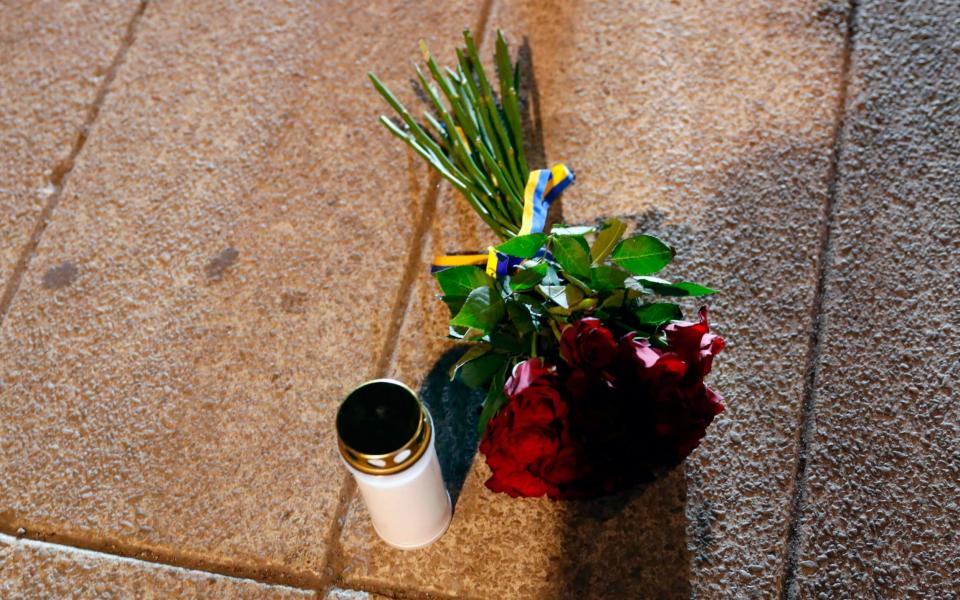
x=608, y=416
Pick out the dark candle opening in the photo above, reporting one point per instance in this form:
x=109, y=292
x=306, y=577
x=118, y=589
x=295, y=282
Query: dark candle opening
x=378, y=418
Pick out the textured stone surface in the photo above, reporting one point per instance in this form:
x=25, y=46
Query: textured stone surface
x=235, y=264
x=32, y=570
x=341, y=594
x=53, y=57
x=711, y=125
x=881, y=517
x=169, y=366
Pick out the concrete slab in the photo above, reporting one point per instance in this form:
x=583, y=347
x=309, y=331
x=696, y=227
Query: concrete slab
x=30, y=570
x=222, y=268
x=712, y=126
x=880, y=516
x=53, y=59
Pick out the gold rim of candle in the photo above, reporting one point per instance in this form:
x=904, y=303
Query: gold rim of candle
x=417, y=444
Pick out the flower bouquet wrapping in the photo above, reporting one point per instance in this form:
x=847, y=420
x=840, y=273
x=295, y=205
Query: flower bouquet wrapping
x=595, y=382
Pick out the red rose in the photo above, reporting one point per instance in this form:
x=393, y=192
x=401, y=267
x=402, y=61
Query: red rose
x=682, y=406
x=646, y=409
x=527, y=443
x=614, y=415
x=587, y=343
x=694, y=343
x=649, y=364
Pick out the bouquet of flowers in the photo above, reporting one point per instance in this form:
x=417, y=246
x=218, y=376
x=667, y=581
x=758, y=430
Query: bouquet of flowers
x=595, y=381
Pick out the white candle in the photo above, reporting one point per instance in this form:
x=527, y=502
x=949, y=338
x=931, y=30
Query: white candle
x=387, y=442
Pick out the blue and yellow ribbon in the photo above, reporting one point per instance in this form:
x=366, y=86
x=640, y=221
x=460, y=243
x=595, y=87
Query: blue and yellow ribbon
x=543, y=187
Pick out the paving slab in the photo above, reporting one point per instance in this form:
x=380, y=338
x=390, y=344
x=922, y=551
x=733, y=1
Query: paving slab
x=33, y=570
x=880, y=516
x=711, y=125
x=53, y=58
x=222, y=268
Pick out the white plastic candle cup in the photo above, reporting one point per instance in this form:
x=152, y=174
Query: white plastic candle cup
x=387, y=442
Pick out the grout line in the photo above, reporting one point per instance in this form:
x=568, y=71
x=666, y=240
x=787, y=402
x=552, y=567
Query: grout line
x=408, y=282
x=815, y=348
x=137, y=562
x=333, y=563
x=402, y=593
x=62, y=169
x=421, y=237
x=333, y=558
x=121, y=549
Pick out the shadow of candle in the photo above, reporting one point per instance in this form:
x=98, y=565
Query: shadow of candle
x=455, y=409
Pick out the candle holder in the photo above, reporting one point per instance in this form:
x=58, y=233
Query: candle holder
x=387, y=442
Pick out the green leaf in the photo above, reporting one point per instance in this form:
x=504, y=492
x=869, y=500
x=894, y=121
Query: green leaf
x=460, y=281
x=607, y=239
x=563, y=296
x=474, y=352
x=635, y=288
x=574, y=295
x=642, y=254
x=660, y=341
x=556, y=293
x=482, y=310
x=657, y=313
x=665, y=288
x=523, y=246
x=475, y=335
x=571, y=230
x=587, y=303
x=454, y=303
x=614, y=300
x=694, y=289
x=573, y=254
x=528, y=275
x=495, y=398
x=477, y=372
x=606, y=278
x=506, y=342
x=551, y=278
x=523, y=317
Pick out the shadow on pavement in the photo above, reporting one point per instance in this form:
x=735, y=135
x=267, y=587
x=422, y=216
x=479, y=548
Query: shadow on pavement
x=636, y=540
x=455, y=409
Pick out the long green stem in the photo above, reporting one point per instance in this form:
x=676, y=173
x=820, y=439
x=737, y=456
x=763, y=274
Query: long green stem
x=474, y=140
x=510, y=102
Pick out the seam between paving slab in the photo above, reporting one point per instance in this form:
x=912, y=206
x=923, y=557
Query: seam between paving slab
x=815, y=347
x=333, y=559
x=334, y=563
x=62, y=169
x=408, y=283
x=141, y=564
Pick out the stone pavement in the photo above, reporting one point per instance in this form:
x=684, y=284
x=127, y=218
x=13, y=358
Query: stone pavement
x=206, y=240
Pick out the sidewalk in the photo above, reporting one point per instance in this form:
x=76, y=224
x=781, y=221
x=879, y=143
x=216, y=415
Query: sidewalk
x=206, y=240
